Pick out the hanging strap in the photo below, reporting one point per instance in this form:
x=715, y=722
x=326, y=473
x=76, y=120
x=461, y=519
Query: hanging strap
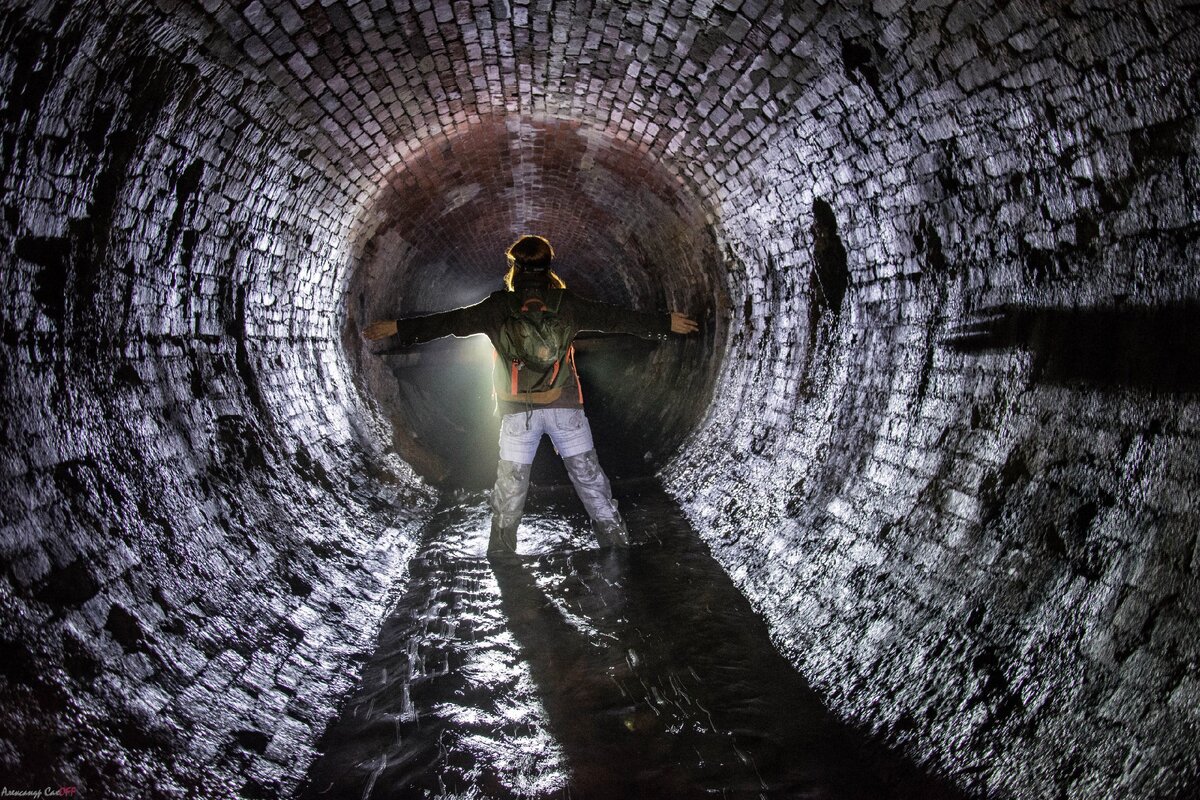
x=515, y=395
x=574, y=372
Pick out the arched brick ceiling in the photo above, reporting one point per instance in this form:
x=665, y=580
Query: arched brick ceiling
x=623, y=228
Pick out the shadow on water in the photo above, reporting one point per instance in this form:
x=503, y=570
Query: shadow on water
x=572, y=672
x=1154, y=348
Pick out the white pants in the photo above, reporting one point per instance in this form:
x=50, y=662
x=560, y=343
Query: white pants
x=521, y=432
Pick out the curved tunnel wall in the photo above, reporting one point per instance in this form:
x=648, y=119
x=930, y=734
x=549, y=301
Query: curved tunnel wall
x=963, y=502
x=199, y=526
x=970, y=513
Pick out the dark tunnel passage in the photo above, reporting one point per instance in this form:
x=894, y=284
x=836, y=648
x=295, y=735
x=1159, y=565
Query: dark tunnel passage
x=625, y=232
x=939, y=429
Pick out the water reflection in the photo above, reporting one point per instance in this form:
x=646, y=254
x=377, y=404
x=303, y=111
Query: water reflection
x=571, y=672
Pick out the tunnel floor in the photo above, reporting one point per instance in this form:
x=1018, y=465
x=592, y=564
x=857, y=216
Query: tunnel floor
x=573, y=672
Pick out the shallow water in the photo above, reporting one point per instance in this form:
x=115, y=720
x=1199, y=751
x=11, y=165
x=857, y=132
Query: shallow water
x=572, y=672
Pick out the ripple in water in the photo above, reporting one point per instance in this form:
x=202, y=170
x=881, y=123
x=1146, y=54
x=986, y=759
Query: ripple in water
x=570, y=672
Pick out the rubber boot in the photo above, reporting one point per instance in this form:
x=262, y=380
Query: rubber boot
x=508, y=503
x=593, y=488
x=611, y=533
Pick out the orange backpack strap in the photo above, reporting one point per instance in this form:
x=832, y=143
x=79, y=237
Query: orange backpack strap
x=515, y=394
x=571, y=358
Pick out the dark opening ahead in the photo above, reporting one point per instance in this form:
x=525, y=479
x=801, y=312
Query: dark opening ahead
x=624, y=231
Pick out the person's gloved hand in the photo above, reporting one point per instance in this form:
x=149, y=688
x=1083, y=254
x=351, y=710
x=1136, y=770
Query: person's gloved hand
x=380, y=330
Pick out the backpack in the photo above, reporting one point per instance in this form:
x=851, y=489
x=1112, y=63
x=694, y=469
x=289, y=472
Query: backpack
x=534, y=342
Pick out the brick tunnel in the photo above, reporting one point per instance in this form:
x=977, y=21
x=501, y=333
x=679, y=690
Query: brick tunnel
x=939, y=428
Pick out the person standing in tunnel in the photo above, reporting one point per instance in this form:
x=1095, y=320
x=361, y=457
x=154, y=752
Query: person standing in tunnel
x=532, y=323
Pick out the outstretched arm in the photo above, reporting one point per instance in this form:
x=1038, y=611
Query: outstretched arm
x=414, y=330
x=594, y=316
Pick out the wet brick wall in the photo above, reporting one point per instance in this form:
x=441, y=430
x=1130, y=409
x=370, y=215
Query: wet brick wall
x=950, y=452
x=965, y=496
x=198, y=529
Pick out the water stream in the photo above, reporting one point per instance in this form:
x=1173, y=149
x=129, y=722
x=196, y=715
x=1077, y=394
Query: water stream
x=569, y=672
